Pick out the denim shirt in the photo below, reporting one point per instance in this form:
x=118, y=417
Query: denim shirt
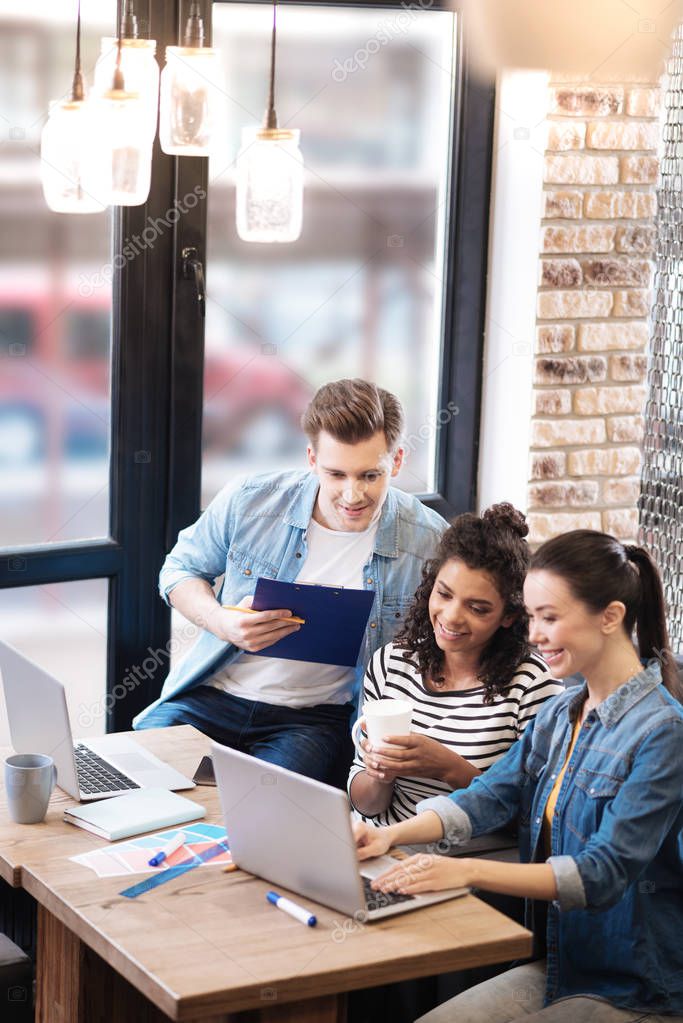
x=256, y=527
x=616, y=927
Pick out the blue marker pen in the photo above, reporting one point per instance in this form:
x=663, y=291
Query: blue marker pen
x=168, y=849
x=287, y=906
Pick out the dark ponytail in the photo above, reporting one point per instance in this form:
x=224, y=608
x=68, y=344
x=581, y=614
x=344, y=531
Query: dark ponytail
x=651, y=630
x=599, y=569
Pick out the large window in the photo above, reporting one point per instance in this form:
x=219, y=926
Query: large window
x=55, y=328
x=120, y=414
x=360, y=293
x=55, y=368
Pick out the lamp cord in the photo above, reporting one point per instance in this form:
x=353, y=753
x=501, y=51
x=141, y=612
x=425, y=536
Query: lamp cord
x=118, y=85
x=77, y=90
x=271, y=116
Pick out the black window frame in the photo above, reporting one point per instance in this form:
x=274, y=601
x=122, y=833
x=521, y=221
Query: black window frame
x=157, y=379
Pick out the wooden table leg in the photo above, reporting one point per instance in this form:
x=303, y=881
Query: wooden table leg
x=58, y=967
x=75, y=985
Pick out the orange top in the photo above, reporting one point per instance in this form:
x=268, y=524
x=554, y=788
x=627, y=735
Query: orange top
x=549, y=811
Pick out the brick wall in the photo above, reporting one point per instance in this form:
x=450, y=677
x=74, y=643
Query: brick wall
x=594, y=296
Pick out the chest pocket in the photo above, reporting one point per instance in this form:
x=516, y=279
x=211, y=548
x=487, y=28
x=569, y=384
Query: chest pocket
x=242, y=569
x=592, y=792
x=393, y=615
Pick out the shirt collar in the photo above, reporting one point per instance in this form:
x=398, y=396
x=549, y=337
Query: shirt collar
x=611, y=710
x=301, y=511
x=301, y=508
x=386, y=540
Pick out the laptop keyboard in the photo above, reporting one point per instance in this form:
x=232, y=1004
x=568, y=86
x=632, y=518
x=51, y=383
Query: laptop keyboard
x=380, y=900
x=96, y=775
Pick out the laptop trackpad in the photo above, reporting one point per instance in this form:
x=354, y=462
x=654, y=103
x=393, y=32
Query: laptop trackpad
x=132, y=763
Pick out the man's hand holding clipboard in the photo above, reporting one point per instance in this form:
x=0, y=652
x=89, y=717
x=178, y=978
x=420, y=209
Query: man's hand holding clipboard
x=254, y=631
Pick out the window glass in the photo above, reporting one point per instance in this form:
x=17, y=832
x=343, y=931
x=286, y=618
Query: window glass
x=63, y=628
x=359, y=294
x=55, y=297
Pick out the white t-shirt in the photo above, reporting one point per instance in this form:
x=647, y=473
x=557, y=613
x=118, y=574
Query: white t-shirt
x=333, y=558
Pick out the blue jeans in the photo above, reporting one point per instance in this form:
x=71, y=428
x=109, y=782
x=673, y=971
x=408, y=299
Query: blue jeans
x=314, y=741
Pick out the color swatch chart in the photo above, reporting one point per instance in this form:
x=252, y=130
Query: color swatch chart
x=131, y=857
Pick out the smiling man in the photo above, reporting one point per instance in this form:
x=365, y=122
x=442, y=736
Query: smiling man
x=340, y=523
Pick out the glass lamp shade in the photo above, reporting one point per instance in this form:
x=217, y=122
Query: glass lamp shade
x=121, y=166
x=140, y=74
x=190, y=100
x=64, y=155
x=270, y=183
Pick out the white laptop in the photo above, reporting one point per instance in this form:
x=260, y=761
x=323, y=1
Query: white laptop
x=296, y=833
x=95, y=768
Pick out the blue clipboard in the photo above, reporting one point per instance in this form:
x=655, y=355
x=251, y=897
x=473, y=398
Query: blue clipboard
x=335, y=619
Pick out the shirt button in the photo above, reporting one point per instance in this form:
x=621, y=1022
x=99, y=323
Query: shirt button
x=247, y=571
x=298, y=554
x=538, y=820
x=553, y=777
x=373, y=625
x=370, y=580
x=592, y=792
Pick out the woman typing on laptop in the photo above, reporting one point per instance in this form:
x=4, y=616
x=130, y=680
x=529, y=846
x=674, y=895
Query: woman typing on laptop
x=463, y=661
x=596, y=785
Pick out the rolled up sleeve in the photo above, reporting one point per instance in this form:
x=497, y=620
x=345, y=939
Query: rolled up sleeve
x=457, y=827
x=570, y=891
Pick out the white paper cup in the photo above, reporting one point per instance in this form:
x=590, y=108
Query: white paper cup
x=380, y=718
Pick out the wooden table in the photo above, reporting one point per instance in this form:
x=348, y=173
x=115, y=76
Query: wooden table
x=207, y=946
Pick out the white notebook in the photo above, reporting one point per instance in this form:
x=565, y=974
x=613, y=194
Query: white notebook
x=134, y=813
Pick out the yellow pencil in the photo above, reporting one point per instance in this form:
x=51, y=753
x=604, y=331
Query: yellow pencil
x=253, y=611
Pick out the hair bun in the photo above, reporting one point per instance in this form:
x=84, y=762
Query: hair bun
x=506, y=516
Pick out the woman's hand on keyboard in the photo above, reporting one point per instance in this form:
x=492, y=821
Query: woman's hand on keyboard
x=425, y=873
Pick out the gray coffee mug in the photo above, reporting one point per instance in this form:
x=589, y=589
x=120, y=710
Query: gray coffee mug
x=29, y=781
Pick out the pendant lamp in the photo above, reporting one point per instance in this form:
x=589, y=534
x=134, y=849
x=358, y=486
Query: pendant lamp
x=65, y=148
x=270, y=175
x=121, y=139
x=137, y=60
x=191, y=97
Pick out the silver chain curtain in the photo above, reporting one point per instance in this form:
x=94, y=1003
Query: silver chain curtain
x=661, y=496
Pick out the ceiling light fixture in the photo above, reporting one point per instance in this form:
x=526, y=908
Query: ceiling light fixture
x=122, y=117
x=65, y=147
x=191, y=99
x=270, y=175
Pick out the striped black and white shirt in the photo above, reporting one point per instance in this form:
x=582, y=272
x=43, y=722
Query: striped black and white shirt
x=479, y=732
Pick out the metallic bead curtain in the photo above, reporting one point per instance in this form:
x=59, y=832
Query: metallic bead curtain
x=661, y=497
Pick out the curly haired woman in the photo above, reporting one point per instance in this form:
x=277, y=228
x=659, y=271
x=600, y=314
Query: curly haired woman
x=463, y=660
